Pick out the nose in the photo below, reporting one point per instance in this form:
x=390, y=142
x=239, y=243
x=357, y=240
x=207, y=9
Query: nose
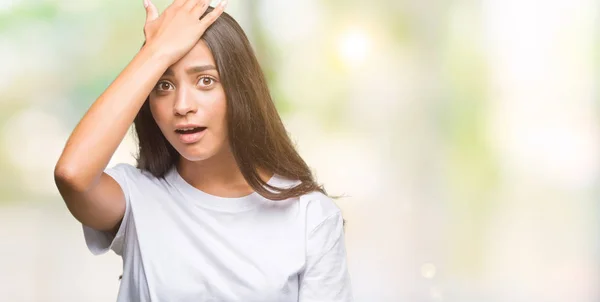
x=184, y=103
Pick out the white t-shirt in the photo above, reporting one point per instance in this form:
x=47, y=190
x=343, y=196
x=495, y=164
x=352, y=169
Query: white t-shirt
x=181, y=244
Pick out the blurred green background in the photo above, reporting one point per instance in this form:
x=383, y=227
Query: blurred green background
x=466, y=135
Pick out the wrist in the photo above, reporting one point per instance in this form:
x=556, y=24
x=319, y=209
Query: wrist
x=156, y=55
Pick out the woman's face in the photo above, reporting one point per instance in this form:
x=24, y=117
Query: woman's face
x=189, y=105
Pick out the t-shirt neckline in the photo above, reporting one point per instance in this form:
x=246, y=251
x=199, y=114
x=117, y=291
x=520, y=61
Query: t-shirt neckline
x=217, y=202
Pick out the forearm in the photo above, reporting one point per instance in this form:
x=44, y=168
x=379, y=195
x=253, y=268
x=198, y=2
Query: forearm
x=98, y=134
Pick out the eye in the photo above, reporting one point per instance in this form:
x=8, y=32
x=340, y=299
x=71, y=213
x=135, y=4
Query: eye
x=206, y=81
x=163, y=85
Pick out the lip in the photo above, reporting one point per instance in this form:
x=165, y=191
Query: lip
x=190, y=138
x=185, y=126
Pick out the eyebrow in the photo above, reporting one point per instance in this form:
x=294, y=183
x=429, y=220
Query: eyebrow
x=192, y=70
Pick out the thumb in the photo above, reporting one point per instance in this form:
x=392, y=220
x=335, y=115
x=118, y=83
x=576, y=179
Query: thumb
x=151, y=11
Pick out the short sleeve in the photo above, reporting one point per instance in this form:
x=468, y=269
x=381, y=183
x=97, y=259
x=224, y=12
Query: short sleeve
x=325, y=277
x=100, y=242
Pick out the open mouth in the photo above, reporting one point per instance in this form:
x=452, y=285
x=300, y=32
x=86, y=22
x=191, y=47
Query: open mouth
x=190, y=135
x=190, y=130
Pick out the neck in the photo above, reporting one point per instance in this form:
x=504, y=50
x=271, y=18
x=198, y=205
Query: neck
x=218, y=175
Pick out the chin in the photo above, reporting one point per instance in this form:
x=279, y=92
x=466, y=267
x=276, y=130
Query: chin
x=190, y=155
x=195, y=153
x=199, y=151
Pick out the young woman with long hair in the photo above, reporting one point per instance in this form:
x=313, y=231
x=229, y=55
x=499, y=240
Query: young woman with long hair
x=220, y=206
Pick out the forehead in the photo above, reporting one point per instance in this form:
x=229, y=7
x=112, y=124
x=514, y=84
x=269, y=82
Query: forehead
x=198, y=55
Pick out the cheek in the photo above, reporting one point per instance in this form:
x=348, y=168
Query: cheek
x=216, y=108
x=222, y=110
x=159, y=113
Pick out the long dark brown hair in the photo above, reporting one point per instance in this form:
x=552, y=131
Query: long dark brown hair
x=256, y=133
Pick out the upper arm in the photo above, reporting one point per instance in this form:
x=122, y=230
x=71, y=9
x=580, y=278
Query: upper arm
x=325, y=277
x=101, y=207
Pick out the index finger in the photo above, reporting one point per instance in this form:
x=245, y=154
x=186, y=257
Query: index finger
x=212, y=16
x=177, y=3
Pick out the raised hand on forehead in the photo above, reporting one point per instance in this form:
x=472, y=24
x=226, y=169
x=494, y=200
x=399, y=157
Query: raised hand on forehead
x=174, y=32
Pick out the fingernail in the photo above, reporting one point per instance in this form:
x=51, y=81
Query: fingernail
x=223, y=3
x=146, y=3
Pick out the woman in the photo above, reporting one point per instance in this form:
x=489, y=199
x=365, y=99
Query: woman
x=220, y=206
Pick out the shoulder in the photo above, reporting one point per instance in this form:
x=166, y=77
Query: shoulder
x=319, y=208
x=320, y=204
x=316, y=207
x=123, y=168
x=127, y=174
x=123, y=171
x=315, y=204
